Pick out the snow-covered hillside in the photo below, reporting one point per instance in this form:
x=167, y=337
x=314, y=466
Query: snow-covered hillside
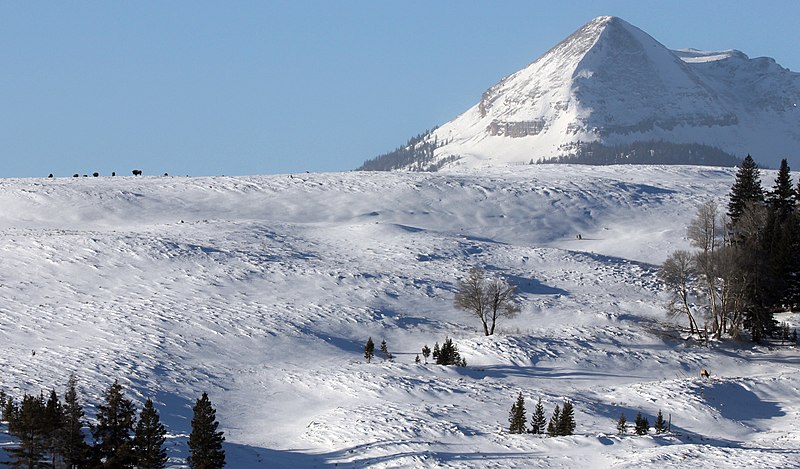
x=263, y=290
x=612, y=83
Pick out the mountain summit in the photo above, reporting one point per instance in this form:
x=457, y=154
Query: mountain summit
x=611, y=89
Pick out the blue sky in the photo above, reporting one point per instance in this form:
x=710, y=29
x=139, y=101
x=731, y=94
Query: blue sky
x=264, y=87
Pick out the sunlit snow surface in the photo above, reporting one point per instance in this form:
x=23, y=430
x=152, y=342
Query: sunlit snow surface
x=263, y=290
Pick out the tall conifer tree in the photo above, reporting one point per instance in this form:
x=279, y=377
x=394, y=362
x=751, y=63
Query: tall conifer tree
x=205, y=442
x=552, y=426
x=27, y=425
x=72, y=444
x=112, y=434
x=538, y=420
x=566, y=422
x=516, y=418
x=52, y=426
x=782, y=197
x=148, y=440
x=746, y=189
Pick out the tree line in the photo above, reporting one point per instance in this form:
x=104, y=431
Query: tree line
x=745, y=265
x=647, y=152
x=50, y=432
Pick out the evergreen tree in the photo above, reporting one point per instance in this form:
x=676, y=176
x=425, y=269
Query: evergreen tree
x=641, y=425
x=782, y=197
x=112, y=434
x=72, y=445
x=385, y=351
x=369, y=350
x=435, y=351
x=426, y=352
x=27, y=425
x=205, y=442
x=148, y=440
x=566, y=422
x=660, y=425
x=746, y=189
x=52, y=426
x=622, y=424
x=9, y=409
x=416, y=359
x=538, y=420
x=448, y=354
x=552, y=426
x=517, y=418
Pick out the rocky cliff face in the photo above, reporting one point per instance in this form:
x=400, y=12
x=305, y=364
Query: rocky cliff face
x=609, y=83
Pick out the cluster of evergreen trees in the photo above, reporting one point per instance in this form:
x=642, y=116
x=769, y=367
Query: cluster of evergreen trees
x=50, y=433
x=369, y=350
x=416, y=155
x=648, y=152
x=747, y=264
x=446, y=354
x=562, y=422
x=642, y=424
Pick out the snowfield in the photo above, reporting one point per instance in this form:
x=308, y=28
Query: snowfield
x=262, y=292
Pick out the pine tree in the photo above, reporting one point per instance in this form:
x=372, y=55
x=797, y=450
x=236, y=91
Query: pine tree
x=538, y=420
x=435, y=351
x=641, y=425
x=112, y=434
x=417, y=360
x=369, y=350
x=517, y=418
x=52, y=426
x=9, y=409
x=746, y=189
x=622, y=424
x=205, y=442
x=782, y=197
x=660, y=425
x=148, y=440
x=566, y=422
x=426, y=352
x=448, y=354
x=72, y=446
x=385, y=351
x=27, y=425
x=552, y=426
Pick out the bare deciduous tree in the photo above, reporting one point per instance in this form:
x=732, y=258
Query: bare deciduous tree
x=486, y=297
x=705, y=229
x=705, y=233
x=676, y=273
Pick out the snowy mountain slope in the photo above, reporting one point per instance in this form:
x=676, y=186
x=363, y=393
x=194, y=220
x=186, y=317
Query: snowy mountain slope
x=610, y=82
x=262, y=291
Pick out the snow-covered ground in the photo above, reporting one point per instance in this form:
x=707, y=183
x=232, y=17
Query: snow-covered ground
x=263, y=290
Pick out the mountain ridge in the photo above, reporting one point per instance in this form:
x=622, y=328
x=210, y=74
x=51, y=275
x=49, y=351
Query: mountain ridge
x=611, y=83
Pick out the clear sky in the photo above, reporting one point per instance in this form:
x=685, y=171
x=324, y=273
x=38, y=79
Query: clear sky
x=269, y=86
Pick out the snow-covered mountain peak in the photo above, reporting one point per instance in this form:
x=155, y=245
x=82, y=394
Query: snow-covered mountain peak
x=611, y=84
